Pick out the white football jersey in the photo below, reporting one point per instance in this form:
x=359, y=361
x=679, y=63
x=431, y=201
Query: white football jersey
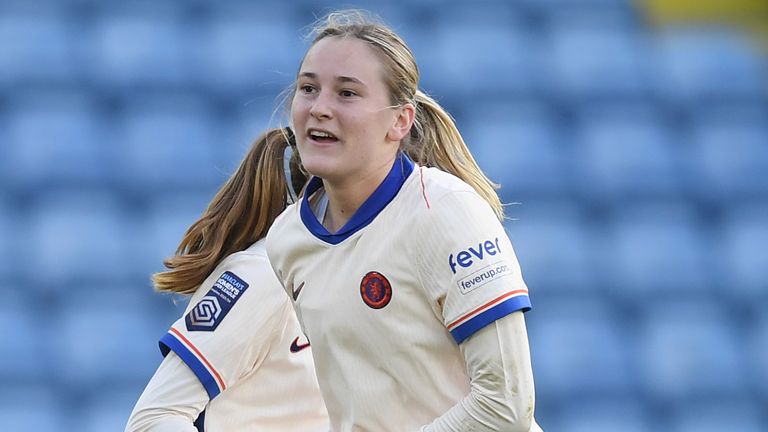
x=240, y=337
x=386, y=301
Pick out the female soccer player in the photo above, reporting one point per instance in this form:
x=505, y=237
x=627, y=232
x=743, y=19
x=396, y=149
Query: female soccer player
x=237, y=360
x=401, y=273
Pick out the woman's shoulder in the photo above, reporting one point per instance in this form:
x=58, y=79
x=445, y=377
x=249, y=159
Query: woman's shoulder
x=436, y=186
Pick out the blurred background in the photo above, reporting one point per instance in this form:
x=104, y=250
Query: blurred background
x=632, y=138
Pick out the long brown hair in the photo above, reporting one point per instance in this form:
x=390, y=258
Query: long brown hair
x=434, y=139
x=240, y=214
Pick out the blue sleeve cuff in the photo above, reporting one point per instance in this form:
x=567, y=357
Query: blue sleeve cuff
x=471, y=326
x=204, y=371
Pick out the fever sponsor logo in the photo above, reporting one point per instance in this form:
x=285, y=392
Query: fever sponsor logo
x=467, y=257
x=483, y=276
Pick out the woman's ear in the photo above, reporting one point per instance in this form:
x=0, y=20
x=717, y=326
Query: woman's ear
x=403, y=122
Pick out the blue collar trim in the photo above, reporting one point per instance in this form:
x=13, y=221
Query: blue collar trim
x=387, y=190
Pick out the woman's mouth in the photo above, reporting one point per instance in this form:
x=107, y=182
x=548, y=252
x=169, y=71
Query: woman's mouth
x=321, y=136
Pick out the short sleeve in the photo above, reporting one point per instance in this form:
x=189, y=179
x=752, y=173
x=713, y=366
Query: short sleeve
x=467, y=264
x=229, y=323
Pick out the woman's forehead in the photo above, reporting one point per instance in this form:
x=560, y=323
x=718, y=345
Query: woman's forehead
x=335, y=57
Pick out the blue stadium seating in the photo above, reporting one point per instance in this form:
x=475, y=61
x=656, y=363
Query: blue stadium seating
x=75, y=235
x=108, y=410
x=729, y=152
x=552, y=242
x=250, y=48
x=140, y=46
x=625, y=152
x=605, y=414
x=166, y=141
x=26, y=337
x=709, y=63
x=720, y=414
x=756, y=352
x=579, y=348
x=744, y=259
x=518, y=146
x=100, y=332
x=242, y=126
x=456, y=66
x=655, y=251
x=55, y=138
x=161, y=227
x=688, y=349
x=8, y=231
x=44, y=48
x=590, y=58
x=32, y=407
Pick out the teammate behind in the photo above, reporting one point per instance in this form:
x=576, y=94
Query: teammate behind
x=237, y=360
x=402, y=275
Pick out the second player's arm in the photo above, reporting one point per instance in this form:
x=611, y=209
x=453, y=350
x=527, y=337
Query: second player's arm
x=171, y=402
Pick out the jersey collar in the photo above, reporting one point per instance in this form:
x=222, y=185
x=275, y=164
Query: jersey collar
x=387, y=190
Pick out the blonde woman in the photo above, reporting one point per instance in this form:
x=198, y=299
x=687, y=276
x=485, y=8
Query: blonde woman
x=400, y=270
x=237, y=360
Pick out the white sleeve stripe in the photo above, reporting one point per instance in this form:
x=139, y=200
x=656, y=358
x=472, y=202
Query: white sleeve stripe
x=209, y=377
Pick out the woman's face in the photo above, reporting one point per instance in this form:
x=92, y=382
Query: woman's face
x=341, y=115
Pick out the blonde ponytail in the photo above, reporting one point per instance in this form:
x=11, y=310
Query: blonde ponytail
x=240, y=214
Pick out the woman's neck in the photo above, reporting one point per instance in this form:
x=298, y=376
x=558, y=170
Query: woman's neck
x=347, y=195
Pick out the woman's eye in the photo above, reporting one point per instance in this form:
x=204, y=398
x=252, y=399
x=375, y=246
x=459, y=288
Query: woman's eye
x=306, y=88
x=347, y=93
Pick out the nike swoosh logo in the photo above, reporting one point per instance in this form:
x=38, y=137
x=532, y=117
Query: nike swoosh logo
x=296, y=291
x=295, y=347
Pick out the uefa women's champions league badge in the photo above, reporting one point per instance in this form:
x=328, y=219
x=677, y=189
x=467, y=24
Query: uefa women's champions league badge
x=216, y=304
x=375, y=290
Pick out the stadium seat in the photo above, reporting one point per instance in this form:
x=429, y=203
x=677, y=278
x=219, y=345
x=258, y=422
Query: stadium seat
x=588, y=58
x=167, y=142
x=553, y=6
x=25, y=333
x=624, y=414
x=688, y=349
x=161, y=227
x=709, y=64
x=579, y=349
x=519, y=147
x=75, y=235
x=40, y=47
x=730, y=155
x=107, y=338
x=737, y=414
x=109, y=410
x=32, y=407
x=241, y=128
x=142, y=47
x=250, y=49
x=463, y=63
x=743, y=258
x=655, y=252
x=756, y=352
x=8, y=232
x=552, y=242
x=55, y=138
x=625, y=152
